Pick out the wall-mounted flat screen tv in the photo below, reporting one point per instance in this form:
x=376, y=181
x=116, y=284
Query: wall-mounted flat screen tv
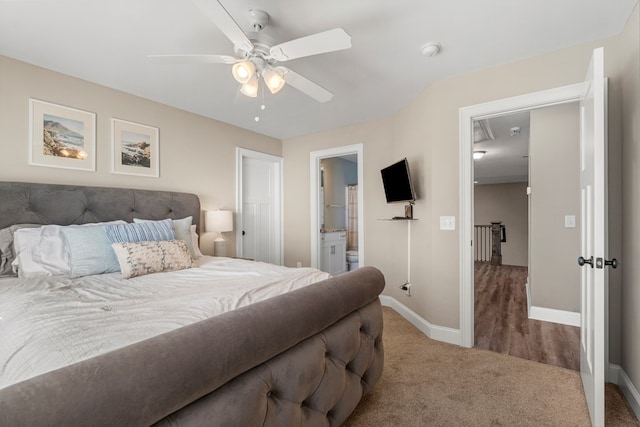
x=397, y=183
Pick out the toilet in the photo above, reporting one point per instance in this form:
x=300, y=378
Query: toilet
x=352, y=260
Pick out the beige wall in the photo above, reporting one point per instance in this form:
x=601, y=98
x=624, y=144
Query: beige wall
x=196, y=154
x=426, y=132
x=297, y=215
x=630, y=268
x=554, y=177
x=507, y=203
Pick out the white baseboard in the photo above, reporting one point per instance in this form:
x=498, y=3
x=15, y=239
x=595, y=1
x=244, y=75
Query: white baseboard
x=563, y=317
x=439, y=333
x=550, y=314
x=528, y=289
x=618, y=376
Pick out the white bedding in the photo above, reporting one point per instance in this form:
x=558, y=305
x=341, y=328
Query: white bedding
x=48, y=323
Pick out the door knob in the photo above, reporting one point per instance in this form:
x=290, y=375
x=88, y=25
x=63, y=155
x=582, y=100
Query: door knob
x=613, y=263
x=582, y=261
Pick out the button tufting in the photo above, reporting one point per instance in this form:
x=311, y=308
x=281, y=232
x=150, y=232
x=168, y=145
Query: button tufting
x=269, y=393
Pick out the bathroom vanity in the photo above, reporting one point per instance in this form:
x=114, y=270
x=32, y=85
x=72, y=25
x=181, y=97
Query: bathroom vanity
x=334, y=251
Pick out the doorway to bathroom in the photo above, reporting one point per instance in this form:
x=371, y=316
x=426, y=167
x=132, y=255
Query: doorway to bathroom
x=337, y=214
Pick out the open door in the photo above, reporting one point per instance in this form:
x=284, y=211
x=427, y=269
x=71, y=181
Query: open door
x=594, y=246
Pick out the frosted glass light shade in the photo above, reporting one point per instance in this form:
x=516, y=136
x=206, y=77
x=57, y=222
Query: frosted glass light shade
x=243, y=71
x=273, y=79
x=250, y=88
x=477, y=155
x=218, y=221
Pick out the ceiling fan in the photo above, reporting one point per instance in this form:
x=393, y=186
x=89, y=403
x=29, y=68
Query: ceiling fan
x=257, y=57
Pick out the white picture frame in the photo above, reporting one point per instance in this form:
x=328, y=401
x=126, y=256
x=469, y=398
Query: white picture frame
x=135, y=149
x=61, y=137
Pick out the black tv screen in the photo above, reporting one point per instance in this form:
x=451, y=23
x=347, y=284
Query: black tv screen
x=397, y=182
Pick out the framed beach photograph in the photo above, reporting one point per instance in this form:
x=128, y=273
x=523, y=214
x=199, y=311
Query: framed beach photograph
x=61, y=137
x=135, y=148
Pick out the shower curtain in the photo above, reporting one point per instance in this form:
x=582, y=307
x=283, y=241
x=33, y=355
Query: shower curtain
x=352, y=217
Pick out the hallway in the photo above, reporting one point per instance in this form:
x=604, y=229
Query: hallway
x=502, y=325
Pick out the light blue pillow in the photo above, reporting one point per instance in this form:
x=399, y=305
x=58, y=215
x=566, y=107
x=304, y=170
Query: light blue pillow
x=182, y=230
x=140, y=232
x=90, y=251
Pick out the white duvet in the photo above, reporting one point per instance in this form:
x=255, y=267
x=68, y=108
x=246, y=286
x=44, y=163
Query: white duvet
x=48, y=323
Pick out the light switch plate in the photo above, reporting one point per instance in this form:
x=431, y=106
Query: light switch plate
x=447, y=223
x=569, y=221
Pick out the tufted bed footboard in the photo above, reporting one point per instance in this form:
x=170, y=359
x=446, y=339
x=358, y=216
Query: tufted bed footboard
x=304, y=358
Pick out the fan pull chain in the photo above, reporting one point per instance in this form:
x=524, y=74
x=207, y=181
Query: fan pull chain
x=262, y=106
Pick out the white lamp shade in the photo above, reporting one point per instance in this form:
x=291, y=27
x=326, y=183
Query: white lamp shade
x=218, y=221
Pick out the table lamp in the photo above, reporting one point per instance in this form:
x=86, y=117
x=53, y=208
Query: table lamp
x=219, y=221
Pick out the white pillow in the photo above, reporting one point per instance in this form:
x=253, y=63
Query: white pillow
x=25, y=241
x=7, y=252
x=43, y=251
x=194, y=243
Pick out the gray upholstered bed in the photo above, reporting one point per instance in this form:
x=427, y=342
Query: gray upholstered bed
x=302, y=358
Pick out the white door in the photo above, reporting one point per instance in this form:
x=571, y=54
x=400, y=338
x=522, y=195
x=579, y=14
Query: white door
x=259, y=233
x=594, y=275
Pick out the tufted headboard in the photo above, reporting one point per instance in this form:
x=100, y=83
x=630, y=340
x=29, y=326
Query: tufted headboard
x=30, y=203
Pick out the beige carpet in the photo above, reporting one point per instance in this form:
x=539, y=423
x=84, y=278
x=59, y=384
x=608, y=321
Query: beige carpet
x=429, y=383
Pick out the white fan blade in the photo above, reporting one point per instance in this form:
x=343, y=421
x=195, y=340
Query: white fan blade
x=305, y=85
x=219, y=15
x=192, y=59
x=327, y=41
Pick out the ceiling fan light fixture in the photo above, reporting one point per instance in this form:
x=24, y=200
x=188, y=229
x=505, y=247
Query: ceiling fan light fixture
x=243, y=71
x=250, y=88
x=273, y=79
x=477, y=155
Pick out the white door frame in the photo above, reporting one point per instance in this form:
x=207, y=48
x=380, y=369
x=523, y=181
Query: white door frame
x=560, y=95
x=242, y=153
x=314, y=170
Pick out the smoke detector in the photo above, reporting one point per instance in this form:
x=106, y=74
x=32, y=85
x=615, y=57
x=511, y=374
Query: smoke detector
x=431, y=49
x=514, y=131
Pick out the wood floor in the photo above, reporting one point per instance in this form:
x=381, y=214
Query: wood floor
x=502, y=325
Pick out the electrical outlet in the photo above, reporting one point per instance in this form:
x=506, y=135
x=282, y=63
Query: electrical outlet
x=406, y=288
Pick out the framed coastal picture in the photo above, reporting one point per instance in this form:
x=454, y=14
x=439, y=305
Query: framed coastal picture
x=135, y=148
x=61, y=137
